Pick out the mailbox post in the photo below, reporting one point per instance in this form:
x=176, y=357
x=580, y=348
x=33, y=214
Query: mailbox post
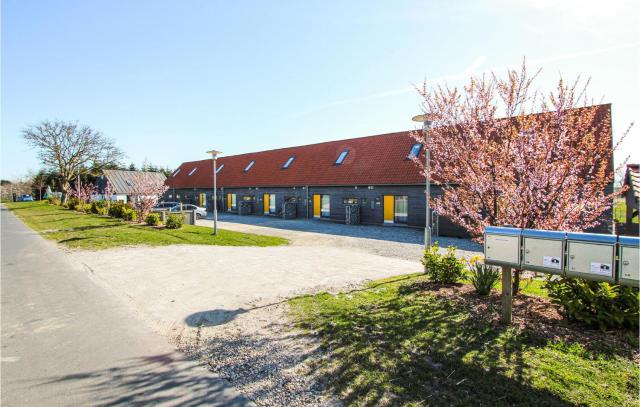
x=502, y=248
x=591, y=256
x=628, y=260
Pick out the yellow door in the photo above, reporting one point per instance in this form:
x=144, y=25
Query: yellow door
x=228, y=202
x=202, y=199
x=266, y=204
x=316, y=206
x=388, y=208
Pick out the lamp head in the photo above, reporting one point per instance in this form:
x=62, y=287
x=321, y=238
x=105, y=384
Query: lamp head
x=214, y=153
x=426, y=119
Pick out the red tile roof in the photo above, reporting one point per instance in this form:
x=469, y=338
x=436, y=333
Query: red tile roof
x=372, y=160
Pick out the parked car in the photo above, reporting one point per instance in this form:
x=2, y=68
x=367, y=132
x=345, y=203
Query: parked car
x=25, y=198
x=166, y=205
x=200, y=212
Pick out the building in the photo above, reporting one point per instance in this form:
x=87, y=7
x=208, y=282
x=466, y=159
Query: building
x=632, y=197
x=321, y=181
x=122, y=183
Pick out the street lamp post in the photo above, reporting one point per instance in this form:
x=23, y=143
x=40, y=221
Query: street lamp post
x=214, y=155
x=427, y=122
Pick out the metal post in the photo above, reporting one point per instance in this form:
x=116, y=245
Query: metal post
x=427, y=153
x=507, y=297
x=215, y=200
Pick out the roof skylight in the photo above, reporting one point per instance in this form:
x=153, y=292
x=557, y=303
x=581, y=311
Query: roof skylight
x=341, y=157
x=176, y=172
x=415, y=150
x=193, y=170
x=219, y=168
x=289, y=161
x=250, y=165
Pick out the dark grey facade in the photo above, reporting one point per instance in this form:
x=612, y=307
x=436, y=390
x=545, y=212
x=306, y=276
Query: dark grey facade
x=370, y=199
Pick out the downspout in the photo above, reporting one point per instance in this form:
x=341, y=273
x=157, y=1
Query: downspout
x=307, y=202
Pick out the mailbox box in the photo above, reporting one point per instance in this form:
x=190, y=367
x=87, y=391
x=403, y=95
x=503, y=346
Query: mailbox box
x=502, y=246
x=591, y=256
x=543, y=250
x=628, y=260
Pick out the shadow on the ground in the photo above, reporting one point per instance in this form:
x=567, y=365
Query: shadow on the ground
x=398, y=234
x=213, y=317
x=151, y=381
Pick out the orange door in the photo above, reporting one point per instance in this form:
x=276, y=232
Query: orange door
x=388, y=208
x=316, y=206
x=266, y=204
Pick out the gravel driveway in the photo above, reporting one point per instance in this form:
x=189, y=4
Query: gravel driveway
x=227, y=305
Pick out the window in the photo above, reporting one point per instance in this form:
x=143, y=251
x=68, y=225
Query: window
x=401, y=209
x=192, y=171
x=342, y=156
x=325, y=207
x=234, y=201
x=289, y=161
x=249, y=198
x=249, y=166
x=350, y=201
x=176, y=173
x=272, y=203
x=415, y=151
x=219, y=168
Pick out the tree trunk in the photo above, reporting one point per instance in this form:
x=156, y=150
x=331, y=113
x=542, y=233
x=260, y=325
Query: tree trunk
x=516, y=282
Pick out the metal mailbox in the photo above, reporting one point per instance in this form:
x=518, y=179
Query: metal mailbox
x=591, y=256
x=628, y=266
x=543, y=250
x=502, y=246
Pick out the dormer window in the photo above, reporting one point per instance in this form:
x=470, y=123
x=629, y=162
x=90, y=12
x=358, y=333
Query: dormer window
x=415, y=151
x=192, y=171
x=176, y=173
x=219, y=168
x=249, y=166
x=289, y=161
x=341, y=157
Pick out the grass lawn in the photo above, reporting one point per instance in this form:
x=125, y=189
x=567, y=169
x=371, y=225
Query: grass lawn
x=406, y=341
x=86, y=231
x=620, y=211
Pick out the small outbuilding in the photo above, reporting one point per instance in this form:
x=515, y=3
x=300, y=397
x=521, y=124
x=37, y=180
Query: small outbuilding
x=632, y=195
x=122, y=183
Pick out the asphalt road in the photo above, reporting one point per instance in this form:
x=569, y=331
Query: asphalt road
x=66, y=341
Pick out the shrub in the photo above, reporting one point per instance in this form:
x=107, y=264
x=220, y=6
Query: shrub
x=54, y=201
x=99, y=207
x=116, y=209
x=444, y=269
x=129, y=214
x=174, y=221
x=153, y=219
x=84, y=207
x=483, y=277
x=73, y=203
x=599, y=305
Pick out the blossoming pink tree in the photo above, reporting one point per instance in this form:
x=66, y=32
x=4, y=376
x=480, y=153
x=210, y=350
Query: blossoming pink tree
x=147, y=190
x=508, y=166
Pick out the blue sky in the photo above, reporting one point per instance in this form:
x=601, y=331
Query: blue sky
x=169, y=80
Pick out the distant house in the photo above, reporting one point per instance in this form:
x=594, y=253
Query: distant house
x=632, y=196
x=122, y=183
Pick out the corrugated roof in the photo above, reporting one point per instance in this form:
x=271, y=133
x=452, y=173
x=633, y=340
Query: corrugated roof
x=122, y=180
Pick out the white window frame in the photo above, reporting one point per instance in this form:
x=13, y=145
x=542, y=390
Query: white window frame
x=323, y=213
x=272, y=203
